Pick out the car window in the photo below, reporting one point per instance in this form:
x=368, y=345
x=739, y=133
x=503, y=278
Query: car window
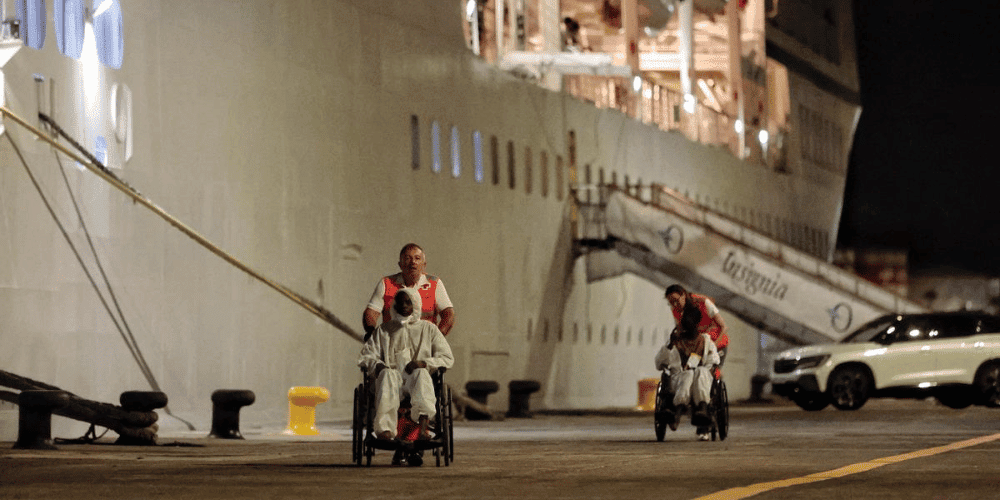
x=989, y=324
x=870, y=331
x=954, y=326
x=913, y=329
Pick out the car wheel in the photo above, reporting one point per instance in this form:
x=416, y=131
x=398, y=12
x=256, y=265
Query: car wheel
x=954, y=397
x=988, y=384
x=813, y=402
x=849, y=387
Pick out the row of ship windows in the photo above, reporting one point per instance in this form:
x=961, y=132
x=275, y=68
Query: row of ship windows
x=454, y=165
x=590, y=334
x=70, y=18
x=808, y=239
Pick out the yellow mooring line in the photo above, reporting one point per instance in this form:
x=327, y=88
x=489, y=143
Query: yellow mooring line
x=754, y=489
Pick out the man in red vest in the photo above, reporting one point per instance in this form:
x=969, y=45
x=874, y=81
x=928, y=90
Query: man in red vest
x=436, y=305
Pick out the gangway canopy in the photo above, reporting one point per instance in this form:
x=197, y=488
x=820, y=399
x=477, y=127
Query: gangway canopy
x=790, y=294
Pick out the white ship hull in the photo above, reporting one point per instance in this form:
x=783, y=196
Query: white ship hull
x=283, y=132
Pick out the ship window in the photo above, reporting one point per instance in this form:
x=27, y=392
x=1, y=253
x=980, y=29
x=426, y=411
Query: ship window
x=495, y=158
x=101, y=150
x=456, y=153
x=121, y=116
x=436, y=146
x=559, y=178
x=414, y=142
x=544, y=167
x=510, y=165
x=108, y=33
x=32, y=16
x=68, y=16
x=527, y=169
x=477, y=154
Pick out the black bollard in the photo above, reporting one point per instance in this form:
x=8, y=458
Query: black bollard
x=479, y=390
x=757, y=384
x=143, y=402
x=226, y=404
x=34, y=430
x=520, y=396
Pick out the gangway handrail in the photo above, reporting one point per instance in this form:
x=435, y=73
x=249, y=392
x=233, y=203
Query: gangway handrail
x=785, y=255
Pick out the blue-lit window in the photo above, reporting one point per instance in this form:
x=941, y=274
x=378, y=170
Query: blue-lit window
x=456, y=153
x=477, y=154
x=108, y=33
x=68, y=16
x=435, y=147
x=32, y=16
x=101, y=150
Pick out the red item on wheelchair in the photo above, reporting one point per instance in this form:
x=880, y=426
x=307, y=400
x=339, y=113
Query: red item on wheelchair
x=406, y=429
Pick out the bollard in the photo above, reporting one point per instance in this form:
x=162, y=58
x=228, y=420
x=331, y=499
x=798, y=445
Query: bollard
x=302, y=403
x=647, y=394
x=479, y=390
x=757, y=384
x=520, y=396
x=141, y=402
x=34, y=429
x=226, y=405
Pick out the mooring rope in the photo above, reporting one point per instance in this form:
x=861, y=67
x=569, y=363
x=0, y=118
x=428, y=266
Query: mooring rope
x=110, y=177
x=128, y=338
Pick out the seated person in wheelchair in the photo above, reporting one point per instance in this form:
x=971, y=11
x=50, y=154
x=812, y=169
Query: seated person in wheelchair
x=690, y=357
x=400, y=355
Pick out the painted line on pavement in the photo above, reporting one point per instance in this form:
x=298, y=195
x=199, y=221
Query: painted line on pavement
x=754, y=489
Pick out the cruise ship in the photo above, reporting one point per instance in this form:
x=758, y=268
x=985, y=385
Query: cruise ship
x=233, y=177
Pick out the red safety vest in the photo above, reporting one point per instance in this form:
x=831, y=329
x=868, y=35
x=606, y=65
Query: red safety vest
x=707, y=324
x=427, y=291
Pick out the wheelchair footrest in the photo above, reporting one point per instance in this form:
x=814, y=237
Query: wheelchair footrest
x=396, y=444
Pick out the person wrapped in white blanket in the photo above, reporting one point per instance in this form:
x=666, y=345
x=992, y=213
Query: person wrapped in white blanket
x=690, y=357
x=401, y=354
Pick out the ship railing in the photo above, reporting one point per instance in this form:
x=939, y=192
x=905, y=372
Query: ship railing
x=591, y=201
x=698, y=121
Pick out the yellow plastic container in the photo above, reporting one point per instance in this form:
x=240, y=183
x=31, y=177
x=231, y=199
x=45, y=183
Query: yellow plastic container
x=302, y=403
x=647, y=394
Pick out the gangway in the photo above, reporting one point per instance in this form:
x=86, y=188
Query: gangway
x=667, y=239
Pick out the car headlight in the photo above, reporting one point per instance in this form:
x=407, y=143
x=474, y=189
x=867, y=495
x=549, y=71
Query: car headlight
x=789, y=365
x=813, y=361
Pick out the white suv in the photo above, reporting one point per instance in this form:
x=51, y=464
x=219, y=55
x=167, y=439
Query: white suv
x=954, y=357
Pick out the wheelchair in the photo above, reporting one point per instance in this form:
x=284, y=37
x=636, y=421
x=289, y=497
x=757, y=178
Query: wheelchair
x=363, y=440
x=718, y=407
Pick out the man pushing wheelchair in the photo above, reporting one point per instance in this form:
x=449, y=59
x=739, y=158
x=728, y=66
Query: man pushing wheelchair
x=691, y=359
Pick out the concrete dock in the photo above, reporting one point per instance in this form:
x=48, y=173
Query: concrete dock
x=888, y=449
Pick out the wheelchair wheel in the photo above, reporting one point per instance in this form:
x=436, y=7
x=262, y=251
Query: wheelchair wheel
x=448, y=438
x=357, y=427
x=443, y=421
x=659, y=419
x=721, y=416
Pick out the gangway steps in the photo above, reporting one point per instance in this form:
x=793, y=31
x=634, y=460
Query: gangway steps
x=788, y=293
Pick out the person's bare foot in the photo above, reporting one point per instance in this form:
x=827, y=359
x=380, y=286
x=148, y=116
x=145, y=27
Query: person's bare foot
x=424, y=434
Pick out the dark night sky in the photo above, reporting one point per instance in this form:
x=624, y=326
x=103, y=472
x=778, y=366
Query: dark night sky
x=924, y=173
